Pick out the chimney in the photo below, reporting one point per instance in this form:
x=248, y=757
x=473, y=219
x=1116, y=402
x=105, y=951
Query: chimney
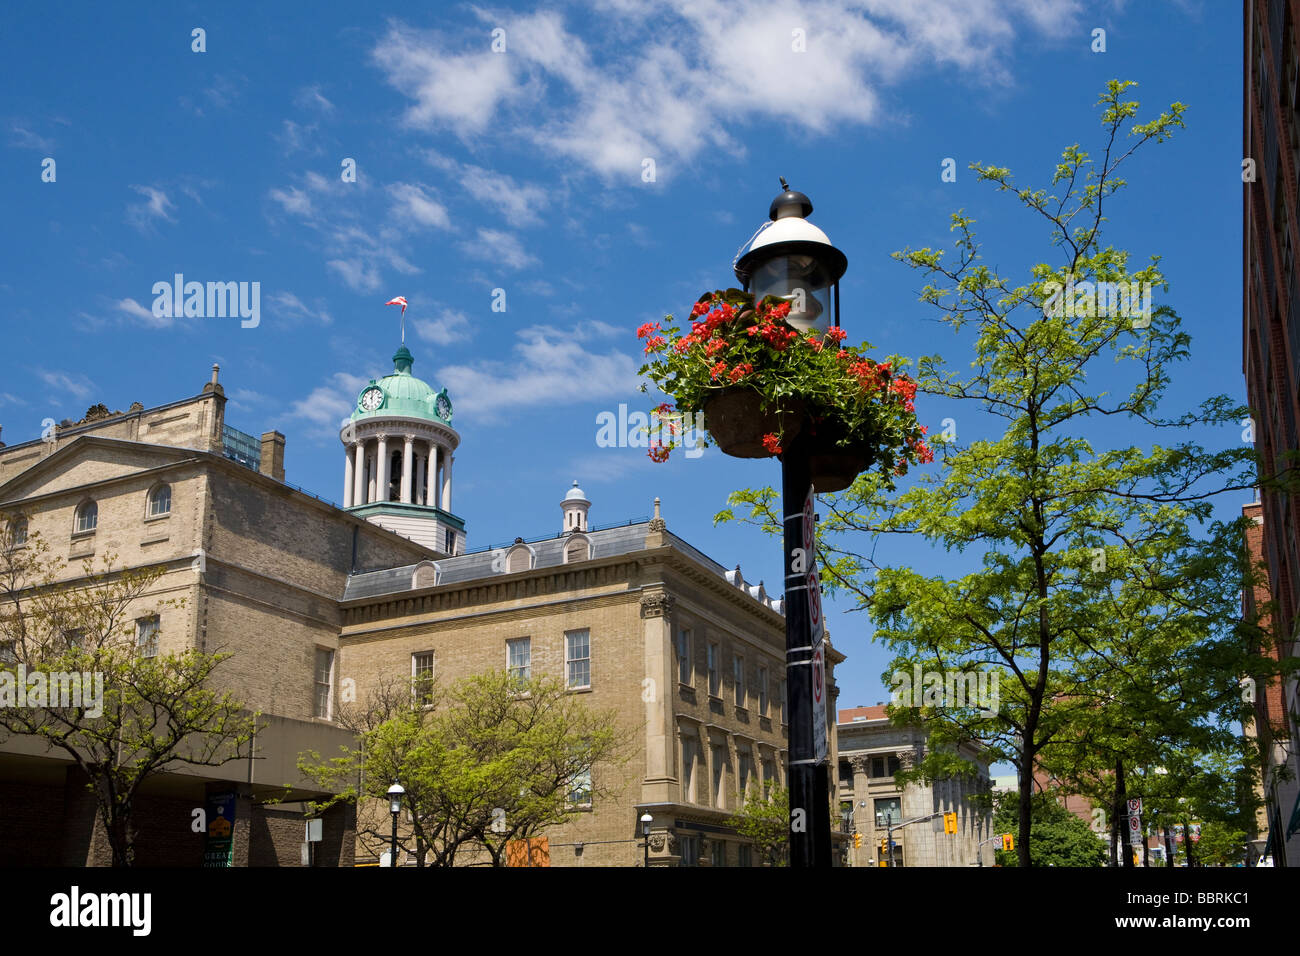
x=272, y=460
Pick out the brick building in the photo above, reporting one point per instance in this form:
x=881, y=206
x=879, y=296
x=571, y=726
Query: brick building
x=1271, y=361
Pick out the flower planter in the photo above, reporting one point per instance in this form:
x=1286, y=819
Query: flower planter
x=737, y=422
x=834, y=466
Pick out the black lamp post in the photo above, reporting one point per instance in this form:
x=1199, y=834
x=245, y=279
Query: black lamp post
x=646, y=820
x=395, y=793
x=794, y=260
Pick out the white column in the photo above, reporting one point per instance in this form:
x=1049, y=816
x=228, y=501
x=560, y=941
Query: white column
x=348, y=479
x=358, y=473
x=370, y=478
x=407, y=450
x=417, y=480
x=434, y=463
x=446, y=480
x=381, y=473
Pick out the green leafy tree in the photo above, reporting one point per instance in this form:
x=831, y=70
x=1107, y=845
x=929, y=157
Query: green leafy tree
x=1059, y=837
x=491, y=760
x=764, y=818
x=1062, y=517
x=152, y=713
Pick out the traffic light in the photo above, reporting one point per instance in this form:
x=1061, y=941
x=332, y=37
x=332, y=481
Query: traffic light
x=857, y=841
x=950, y=823
x=1008, y=842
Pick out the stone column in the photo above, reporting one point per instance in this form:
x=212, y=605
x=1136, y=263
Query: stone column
x=381, y=473
x=408, y=450
x=446, y=481
x=371, y=494
x=359, y=474
x=863, y=817
x=349, y=478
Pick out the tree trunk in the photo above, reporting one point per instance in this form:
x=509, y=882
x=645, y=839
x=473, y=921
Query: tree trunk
x=1121, y=801
x=1114, y=828
x=1169, y=848
x=1026, y=808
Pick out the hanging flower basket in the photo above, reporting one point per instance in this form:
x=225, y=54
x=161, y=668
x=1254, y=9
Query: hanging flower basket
x=759, y=382
x=834, y=463
x=737, y=421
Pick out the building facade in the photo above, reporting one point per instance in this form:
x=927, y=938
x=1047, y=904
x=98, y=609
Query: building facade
x=871, y=750
x=1271, y=362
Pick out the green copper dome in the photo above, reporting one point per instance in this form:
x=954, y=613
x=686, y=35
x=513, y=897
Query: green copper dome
x=402, y=394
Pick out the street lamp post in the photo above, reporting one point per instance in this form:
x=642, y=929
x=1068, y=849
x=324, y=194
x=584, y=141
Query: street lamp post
x=395, y=793
x=792, y=259
x=646, y=820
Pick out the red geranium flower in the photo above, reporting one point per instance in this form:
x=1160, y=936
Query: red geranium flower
x=772, y=443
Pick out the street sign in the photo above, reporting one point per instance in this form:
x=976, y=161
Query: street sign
x=1134, y=825
x=1135, y=805
x=819, y=701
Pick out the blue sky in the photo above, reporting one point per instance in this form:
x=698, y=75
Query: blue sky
x=522, y=170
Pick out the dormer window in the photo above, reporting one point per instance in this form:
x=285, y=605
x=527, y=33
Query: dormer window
x=87, y=518
x=577, y=548
x=519, y=557
x=426, y=575
x=160, y=501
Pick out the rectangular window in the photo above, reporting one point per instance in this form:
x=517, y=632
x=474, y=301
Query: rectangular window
x=422, y=677
x=7, y=653
x=690, y=849
x=884, y=766
x=888, y=810
x=146, y=636
x=688, y=770
x=785, y=717
x=769, y=775
x=718, y=852
x=577, y=658
x=746, y=770
x=684, y=655
x=719, y=777
x=738, y=676
x=762, y=691
x=451, y=541
x=519, y=658
x=715, y=679
x=324, y=682
x=580, y=789
x=744, y=855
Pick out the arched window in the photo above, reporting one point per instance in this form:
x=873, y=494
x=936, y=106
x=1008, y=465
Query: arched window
x=577, y=548
x=160, y=501
x=519, y=558
x=87, y=517
x=17, y=532
x=425, y=575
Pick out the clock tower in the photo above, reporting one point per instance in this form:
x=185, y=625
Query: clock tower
x=399, y=447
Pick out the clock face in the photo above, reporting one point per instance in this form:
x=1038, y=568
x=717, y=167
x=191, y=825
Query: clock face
x=372, y=398
x=444, y=408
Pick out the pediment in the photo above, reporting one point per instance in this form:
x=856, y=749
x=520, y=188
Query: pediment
x=89, y=460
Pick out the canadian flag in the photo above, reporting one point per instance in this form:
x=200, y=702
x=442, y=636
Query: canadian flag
x=400, y=300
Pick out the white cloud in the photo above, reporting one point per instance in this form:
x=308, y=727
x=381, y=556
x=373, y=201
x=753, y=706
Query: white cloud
x=450, y=327
x=550, y=365
x=138, y=311
x=410, y=202
x=358, y=276
x=293, y=200
x=245, y=399
x=706, y=68
x=499, y=248
x=290, y=306
x=328, y=405
x=310, y=97
x=23, y=138
x=297, y=136
x=519, y=204
x=79, y=386
x=157, y=206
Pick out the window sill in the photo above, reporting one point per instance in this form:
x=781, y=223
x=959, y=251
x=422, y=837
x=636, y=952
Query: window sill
x=586, y=689
x=78, y=535
x=161, y=517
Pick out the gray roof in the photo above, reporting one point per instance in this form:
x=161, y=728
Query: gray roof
x=549, y=552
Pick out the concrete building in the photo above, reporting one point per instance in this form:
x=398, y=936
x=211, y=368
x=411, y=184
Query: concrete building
x=1271, y=357
x=871, y=750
